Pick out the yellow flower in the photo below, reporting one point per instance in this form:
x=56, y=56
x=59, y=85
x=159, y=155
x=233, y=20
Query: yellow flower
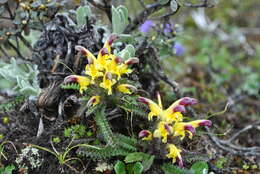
x=103, y=56
x=87, y=53
x=174, y=153
x=181, y=127
x=124, y=68
x=93, y=101
x=198, y=123
x=170, y=115
x=91, y=70
x=126, y=88
x=163, y=130
x=108, y=82
x=83, y=81
x=110, y=41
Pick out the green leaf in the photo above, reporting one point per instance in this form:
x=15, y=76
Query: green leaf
x=125, y=38
x=200, y=167
x=119, y=19
x=136, y=156
x=81, y=14
x=127, y=52
x=170, y=169
x=120, y=168
x=7, y=170
x=138, y=168
x=147, y=163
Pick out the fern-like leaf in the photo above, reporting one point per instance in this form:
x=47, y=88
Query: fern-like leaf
x=74, y=86
x=104, y=127
x=126, y=142
x=102, y=153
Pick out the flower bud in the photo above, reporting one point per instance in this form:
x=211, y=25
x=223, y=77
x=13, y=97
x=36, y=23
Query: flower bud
x=112, y=38
x=93, y=101
x=185, y=101
x=145, y=135
x=118, y=60
x=81, y=49
x=190, y=128
x=179, y=108
x=126, y=88
x=103, y=51
x=207, y=123
x=143, y=100
x=132, y=61
x=70, y=79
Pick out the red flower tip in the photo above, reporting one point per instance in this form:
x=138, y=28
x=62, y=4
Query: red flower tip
x=185, y=101
x=118, y=60
x=143, y=100
x=131, y=61
x=190, y=128
x=81, y=49
x=143, y=133
x=207, y=123
x=69, y=79
x=179, y=108
x=103, y=51
x=112, y=38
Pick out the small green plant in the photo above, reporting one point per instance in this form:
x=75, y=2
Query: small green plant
x=76, y=131
x=19, y=78
x=221, y=162
x=7, y=169
x=62, y=157
x=56, y=140
x=199, y=167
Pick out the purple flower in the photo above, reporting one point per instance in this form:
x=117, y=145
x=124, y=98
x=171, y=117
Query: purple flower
x=168, y=28
x=146, y=26
x=178, y=49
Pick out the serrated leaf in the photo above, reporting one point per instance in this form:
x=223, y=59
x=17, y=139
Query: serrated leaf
x=200, y=167
x=120, y=168
x=136, y=156
x=174, y=5
x=138, y=168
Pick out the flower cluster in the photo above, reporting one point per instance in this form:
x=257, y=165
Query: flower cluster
x=171, y=124
x=105, y=70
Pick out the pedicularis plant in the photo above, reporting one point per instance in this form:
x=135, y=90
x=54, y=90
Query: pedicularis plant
x=106, y=74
